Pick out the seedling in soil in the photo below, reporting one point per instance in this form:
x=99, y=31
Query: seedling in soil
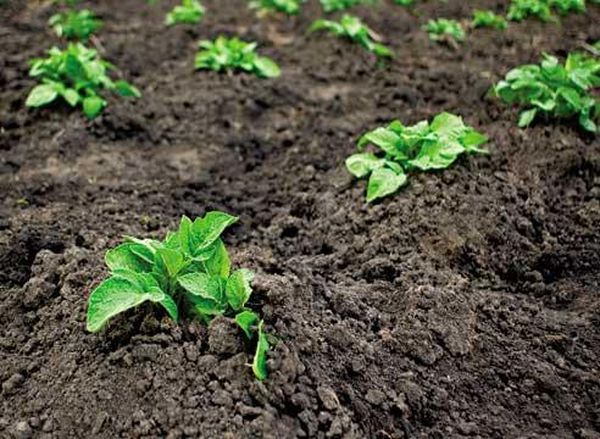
x=289, y=7
x=522, y=9
x=488, y=19
x=234, y=54
x=76, y=75
x=188, y=12
x=564, y=7
x=353, y=28
x=553, y=90
x=189, y=273
x=75, y=25
x=444, y=29
x=340, y=5
x=402, y=149
x=404, y=2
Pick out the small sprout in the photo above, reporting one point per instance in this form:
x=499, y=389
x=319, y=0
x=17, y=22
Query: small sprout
x=354, y=29
x=75, y=25
x=488, y=19
x=564, y=7
x=22, y=202
x=404, y=2
x=188, y=12
x=555, y=90
x=233, y=54
x=340, y=5
x=444, y=29
x=401, y=149
x=77, y=75
x=188, y=273
x=522, y=9
x=289, y=7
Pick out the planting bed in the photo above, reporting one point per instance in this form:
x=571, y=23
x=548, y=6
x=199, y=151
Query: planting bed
x=465, y=305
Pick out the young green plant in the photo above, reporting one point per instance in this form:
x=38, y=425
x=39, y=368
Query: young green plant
x=402, y=149
x=354, y=29
x=188, y=273
x=340, y=5
x=555, y=90
x=76, y=75
x=228, y=54
x=488, y=19
x=289, y=7
x=444, y=29
x=188, y=12
x=75, y=25
x=522, y=9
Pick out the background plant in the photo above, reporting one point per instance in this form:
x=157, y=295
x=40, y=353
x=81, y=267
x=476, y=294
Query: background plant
x=188, y=12
x=75, y=25
x=234, y=54
x=401, y=149
x=444, y=29
x=354, y=29
x=339, y=5
x=76, y=75
x=189, y=272
x=554, y=90
x=290, y=7
x=488, y=19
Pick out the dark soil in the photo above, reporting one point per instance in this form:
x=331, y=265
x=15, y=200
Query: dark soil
x=465, y=305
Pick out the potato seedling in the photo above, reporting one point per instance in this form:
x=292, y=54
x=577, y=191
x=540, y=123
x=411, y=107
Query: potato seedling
x=354, y=29
x=522, y=9
x=554, y=90
x=289, y=7
x=77, y=75
x=234, y=54
x=444, y=29
x=340, y=5
x=488, y=19
x=401, y=149
x=188, y=12
x=189, y=273
x=404, y=2
x=75, y=25
x=564, y=7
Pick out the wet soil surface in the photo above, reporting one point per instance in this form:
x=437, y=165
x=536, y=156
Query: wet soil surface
x=467, y=305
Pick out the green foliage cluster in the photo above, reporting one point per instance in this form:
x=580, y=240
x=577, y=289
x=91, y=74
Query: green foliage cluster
x=189, y=272
x=404, y=2
x=353, y=28
x=188, y=12
x=289, y=7
x=401, y=149
x=543, y=9
x=442, y=29
x=78, y=76
x=555, y=90
x=340, y=5
x=75, y=25
x=234, y=54
x=488, y=19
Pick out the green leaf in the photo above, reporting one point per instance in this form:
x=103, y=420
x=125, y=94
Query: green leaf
x=203, y=285
x=246, y=319
x=381, y=137
x=41, y=95
x=71, y=96
x=171, y=260
x=93, y=106
x=259, y=365
x=116, y=295
x=129, y=256
x=384, y=182
x=125, y=89
x=266, y=67
x=205, y=231
x=362, y=164
x=219, y=263
x=527, y=117
x=238, y=289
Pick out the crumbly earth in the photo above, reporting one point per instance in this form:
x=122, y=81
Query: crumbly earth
x=467, y=305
